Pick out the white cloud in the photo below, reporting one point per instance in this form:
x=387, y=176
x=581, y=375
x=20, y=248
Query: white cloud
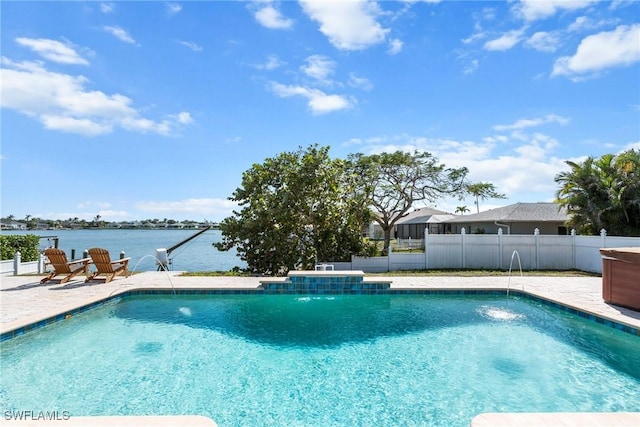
x=173, y=8
x=349, y=25
x=486, y=160
x=318, y=101
x=527, y=123
x=543, y=41
x=395, y=47
x=271, y=64
x=193, y=46
x=532, y=10
x=62, y=102
x=270, y=17
x=474, y=37
x=597, y=52
x=359, y=82
x=471, y=67
x=120, y=33
x=494, y=139
x=537, y=147
x=631, y=146
x=487, y=14
x=319, y=67
x=107, y=7
x=584, y=23
x=183, y=117
x=53, y=50
x=505, y=42
x=421, y=1
x=233, y=140
x=84, y=127
x=579, y=24
x=188, y=207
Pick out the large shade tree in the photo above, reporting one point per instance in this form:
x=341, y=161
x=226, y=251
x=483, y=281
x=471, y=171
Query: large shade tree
x=603, y=193
x=396, y=182
x=296, y=209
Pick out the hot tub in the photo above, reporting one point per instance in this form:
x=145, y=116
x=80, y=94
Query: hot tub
x=621, y=276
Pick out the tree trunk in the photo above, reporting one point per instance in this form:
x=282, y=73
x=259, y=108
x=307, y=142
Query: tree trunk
x=387, y=240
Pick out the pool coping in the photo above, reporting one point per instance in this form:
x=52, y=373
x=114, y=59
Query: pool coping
x=20, y=327
x=557, y=419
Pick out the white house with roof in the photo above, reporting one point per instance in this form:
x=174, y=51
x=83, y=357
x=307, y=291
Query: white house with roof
x=413, y=225
x=519, y=218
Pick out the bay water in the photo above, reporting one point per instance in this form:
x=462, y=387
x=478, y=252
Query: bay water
x=198, y=254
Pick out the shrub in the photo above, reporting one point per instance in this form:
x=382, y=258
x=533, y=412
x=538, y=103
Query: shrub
x=27, y=245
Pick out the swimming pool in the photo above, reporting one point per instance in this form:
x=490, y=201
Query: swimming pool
x=322, y=360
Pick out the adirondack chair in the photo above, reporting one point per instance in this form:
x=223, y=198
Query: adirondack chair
x=58, y=260
x=104, y=265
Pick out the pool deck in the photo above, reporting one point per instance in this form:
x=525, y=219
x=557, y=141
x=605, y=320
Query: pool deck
x=24, y=301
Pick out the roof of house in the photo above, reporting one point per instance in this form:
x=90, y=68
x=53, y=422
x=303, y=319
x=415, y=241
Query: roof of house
x=518, y=212
x=421, y=216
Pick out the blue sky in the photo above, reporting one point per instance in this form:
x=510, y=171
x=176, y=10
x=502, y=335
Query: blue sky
x=136, y=110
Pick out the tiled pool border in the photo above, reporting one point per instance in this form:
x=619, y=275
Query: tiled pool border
x=367, y=290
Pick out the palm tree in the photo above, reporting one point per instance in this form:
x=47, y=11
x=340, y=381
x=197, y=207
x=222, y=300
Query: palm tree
x=461, y=210
x=484, y=191
x=603, y=193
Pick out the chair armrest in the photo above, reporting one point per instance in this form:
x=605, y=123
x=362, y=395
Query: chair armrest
x=83, y=261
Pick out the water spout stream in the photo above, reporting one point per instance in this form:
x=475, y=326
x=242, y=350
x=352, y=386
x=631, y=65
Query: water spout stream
x=513, y=255
x=163, y=267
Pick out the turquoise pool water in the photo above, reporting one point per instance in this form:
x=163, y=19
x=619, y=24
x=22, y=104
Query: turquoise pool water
x=322, y=360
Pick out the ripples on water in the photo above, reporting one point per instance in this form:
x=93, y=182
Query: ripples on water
x=422, y=360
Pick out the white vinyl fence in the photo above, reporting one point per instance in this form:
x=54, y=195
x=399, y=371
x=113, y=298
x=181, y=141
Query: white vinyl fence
x=15, y=266
x=498, y=251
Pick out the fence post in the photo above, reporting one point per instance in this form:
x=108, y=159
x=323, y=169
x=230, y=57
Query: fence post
x=40, y=263
x=389, y=254
x=17, y=259
x=573, y=248
x=603, y=235
x=536, y=233
x=463, y=232
x=500, y=248
x=426, y=253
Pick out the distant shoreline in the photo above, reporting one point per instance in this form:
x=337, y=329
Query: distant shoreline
x=194, y=227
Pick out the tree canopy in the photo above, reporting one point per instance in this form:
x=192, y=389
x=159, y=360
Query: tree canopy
x=395, y=182
x=483, y=191
x=603, y=193
x=297, y=208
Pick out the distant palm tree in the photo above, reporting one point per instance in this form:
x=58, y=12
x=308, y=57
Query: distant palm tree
x=483, y=191
x=461, y=210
